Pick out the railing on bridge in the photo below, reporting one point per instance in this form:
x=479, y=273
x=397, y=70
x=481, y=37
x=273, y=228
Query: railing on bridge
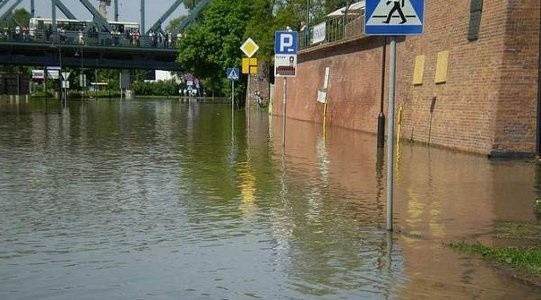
x=339, y=26
x=126, y=39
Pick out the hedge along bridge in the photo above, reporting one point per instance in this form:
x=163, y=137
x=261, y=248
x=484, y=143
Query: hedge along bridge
x=97, y=43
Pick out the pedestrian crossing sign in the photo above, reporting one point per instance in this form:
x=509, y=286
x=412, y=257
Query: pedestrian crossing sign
x=394, y=17
x=232, y=73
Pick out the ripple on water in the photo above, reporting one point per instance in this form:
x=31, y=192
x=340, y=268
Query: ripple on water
x=155, y=199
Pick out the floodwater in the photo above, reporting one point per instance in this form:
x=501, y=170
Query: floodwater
x=161, y=199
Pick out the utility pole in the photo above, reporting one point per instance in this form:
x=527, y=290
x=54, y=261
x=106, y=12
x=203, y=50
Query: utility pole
x=116, y=10
x=53, y=14
x=143, y=16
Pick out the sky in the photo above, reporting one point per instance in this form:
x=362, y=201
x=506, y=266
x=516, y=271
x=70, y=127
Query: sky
x=129, y=10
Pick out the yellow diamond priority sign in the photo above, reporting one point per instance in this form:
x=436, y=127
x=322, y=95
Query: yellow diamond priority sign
x=249, y=47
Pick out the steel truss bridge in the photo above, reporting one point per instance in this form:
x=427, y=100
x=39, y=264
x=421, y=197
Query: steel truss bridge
x=103, y=47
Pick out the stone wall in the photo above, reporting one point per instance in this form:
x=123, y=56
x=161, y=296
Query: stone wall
x=487, y=104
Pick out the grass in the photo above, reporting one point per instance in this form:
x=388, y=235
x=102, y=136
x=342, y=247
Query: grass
x=522, y=259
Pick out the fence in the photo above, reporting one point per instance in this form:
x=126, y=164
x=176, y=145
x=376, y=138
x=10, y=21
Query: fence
x=347, y=26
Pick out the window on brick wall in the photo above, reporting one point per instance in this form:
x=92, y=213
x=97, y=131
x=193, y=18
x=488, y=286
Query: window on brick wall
x=476, y=9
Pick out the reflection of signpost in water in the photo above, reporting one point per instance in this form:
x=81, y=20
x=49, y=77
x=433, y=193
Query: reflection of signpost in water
x=285, y=65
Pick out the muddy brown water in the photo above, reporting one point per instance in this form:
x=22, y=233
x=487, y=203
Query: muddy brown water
x=161, y=199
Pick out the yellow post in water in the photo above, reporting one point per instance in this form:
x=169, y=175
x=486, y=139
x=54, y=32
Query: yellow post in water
x=325, y=119
x=398, y=131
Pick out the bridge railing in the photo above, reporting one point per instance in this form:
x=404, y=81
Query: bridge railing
x=114, y=39
x=336, y=29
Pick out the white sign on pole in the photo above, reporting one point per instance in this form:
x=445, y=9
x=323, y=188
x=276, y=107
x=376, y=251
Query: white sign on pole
x=66, y=75
x=82, y=80
x=321, y=96
x=53, y=74
x=65, y=84
x=285, y=65
x=38, y=74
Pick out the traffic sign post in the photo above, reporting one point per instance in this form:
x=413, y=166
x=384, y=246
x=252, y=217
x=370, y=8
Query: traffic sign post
x=390, y=135
x=393, y=17
x=285, y=50
x=233, y=75
x=249, y=47
x=285, y=65
x=249, y=64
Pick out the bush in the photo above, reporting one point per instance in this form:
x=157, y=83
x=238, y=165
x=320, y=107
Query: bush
x=159, y=88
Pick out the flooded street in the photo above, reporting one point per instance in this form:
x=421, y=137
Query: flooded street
x=161, y=199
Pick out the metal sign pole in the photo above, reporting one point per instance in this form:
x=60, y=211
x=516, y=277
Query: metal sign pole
x=284, y=103
x=232, y=107
x=390, y=135
x=379, y=21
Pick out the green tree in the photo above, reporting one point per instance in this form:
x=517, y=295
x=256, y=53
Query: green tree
x=212, y=44
x=261, y=28
x=190, y=4
x=174, y=24
x=331, y=5
x=20, y=17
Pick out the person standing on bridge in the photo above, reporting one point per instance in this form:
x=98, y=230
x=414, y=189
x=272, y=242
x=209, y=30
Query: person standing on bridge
x=137, y=38
x=151, y=37
x=81, y=37
x=48, y=33
x=17, y=32
x=63, y=36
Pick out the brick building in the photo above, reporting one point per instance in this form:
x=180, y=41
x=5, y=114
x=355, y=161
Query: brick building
x=470, y=82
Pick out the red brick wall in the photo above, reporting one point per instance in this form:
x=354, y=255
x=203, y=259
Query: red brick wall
x=516, y=112
x=488, y=103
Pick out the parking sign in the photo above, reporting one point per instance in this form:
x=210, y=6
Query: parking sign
x=285, y=42
x=285, y=50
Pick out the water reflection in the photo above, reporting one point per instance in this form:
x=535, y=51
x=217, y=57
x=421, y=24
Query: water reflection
x=128, y=199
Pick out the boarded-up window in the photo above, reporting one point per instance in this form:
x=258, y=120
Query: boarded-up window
x=441, y=67
x=476, y=9
x=419, y=69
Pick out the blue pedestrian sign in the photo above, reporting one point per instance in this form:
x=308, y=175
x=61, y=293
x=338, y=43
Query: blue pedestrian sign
x=233, y=73
x=285, y=42
x=394, y=17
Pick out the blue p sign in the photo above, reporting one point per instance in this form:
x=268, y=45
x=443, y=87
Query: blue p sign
x=285, y=42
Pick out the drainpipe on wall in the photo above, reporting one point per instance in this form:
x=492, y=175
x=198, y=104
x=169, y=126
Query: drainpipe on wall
x=381, y=117
x=538, y=144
